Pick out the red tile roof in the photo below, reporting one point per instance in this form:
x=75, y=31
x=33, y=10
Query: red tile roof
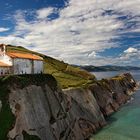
x=24, y=55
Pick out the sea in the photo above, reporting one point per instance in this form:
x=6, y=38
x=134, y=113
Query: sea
x=124, y=124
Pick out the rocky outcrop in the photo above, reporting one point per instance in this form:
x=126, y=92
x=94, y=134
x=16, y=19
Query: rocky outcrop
x=43, y=110
x=110, y=94
x=46, y=112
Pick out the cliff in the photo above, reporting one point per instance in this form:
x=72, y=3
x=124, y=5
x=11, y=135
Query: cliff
x=33, y=107
x=110, y=94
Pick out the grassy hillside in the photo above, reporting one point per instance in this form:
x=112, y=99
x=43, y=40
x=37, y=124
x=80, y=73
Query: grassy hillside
x=65, y=74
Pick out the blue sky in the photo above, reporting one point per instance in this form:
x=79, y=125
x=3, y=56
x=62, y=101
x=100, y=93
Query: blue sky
x=91, y=32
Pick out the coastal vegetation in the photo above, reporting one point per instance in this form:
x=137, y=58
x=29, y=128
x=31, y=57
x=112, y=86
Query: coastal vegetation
x=66, y=75
x=7, y=119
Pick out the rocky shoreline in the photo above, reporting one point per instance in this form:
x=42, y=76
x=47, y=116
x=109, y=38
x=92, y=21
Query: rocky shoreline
x=45, y=111
x=110, y=95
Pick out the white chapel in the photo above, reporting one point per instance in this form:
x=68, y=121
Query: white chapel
x=19, y=63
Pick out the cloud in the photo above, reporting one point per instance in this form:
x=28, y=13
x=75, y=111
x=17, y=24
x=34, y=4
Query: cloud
x=131, y=50
x=2, y=29
x=44, y=13
x=130, y=56
x=80, y=32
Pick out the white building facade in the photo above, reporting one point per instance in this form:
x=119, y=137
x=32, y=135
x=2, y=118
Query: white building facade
x=19, y=63
x=4, y=69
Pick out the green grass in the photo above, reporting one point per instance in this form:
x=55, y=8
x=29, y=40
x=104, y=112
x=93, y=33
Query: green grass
x=65, y=74
x=119, y=78
x=7, y=119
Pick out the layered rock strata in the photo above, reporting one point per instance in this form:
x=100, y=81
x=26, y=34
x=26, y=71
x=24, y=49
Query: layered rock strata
x=43, y=110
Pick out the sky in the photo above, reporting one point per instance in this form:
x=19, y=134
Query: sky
x=89, y=32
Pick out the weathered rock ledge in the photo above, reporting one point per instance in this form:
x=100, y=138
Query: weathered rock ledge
x=43, y=111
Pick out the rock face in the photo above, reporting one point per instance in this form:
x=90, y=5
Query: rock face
x=112, y=93
x=45, y=111
x=48, y=113
x=109, y=94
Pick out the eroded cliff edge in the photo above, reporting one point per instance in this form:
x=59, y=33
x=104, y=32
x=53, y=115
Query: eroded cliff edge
x=34, y=107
